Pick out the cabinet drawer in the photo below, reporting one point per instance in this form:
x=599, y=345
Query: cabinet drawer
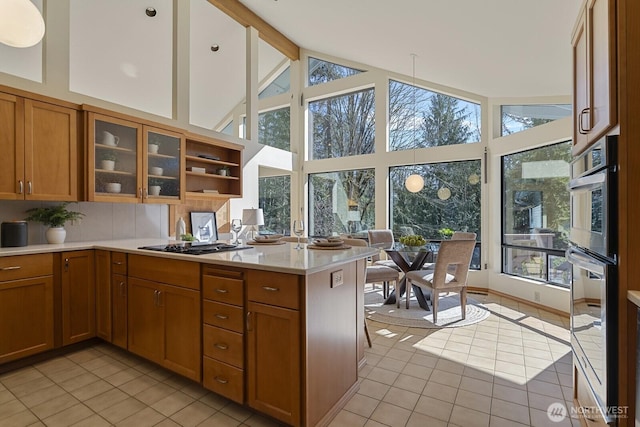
x=185, y=274
x=223, y=315
x=25, y=266
x=223, y=345
x=118, y=262
x=223, y=379
x=223, y=289
x=279, y=289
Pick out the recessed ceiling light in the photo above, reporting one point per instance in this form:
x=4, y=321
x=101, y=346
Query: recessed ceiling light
x=215, y=47
x=151, y=12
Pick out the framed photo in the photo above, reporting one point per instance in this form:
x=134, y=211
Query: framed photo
x=204, y=227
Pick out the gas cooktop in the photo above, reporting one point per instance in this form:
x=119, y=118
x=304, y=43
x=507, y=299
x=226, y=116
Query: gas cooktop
x=195, y=248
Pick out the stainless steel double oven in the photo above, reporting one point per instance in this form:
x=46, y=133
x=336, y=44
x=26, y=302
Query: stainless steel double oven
x=593, y=254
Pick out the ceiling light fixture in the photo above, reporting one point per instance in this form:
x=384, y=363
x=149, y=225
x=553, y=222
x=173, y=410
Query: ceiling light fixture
x=414, y=182
x=151, y=12
x=215, y=47
x=21, y=23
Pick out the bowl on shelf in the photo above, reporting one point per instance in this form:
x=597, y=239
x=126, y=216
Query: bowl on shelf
x=154, y=170
x=113, y=187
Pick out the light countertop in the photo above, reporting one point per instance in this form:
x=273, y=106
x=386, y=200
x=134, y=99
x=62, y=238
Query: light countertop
x=281, y=258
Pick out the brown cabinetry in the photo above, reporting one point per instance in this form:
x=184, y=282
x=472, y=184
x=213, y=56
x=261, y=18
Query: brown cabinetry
x=39, y=142
x=111, y=297
x=274, y=345
x=131, y=161
x=223, y=331
x=594, y=68
x=164, y=313
x=26, y=306
x=213, y=168
x=78, y=296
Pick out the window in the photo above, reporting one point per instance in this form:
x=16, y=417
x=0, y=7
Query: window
x=274, y=128
x=228, y=129
x=438, y=120
x=341, y=202
x=281, y=84
x=275, y=200
x=516, y=118
x=535, y=218
x=323, y=71
x=342, y=125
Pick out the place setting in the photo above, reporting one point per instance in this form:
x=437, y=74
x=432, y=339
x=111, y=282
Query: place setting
x=330, y=243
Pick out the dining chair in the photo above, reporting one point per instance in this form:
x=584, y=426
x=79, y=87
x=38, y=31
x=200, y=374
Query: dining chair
x=375, y=274
x=463, y=235
x=382, y=239
x=450, y=274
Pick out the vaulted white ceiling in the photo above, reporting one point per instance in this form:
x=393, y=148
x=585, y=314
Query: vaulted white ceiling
x=494, y=48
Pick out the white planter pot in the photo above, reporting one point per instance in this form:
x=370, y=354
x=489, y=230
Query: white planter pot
x=108, y=165
x=153, y=148
x=56, y=234
x=154, y=190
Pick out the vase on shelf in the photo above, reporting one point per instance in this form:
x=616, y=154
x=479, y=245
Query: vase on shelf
x=55, y=234
x=108, y=165
x=154, y=190
x=153, y=148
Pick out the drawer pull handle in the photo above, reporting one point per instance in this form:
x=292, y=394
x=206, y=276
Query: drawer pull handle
x=13, y=267
x=221, y=380
x=222, y=291
x=221, y=346
x=118, y=263
x=222, y=316
x=270, y=289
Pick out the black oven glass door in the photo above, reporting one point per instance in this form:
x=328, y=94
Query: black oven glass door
x=592, y=332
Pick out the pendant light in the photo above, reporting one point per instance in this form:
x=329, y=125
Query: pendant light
x=414, y=182
x=21, y=24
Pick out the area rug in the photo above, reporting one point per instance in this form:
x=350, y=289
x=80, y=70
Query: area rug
x=449, y=312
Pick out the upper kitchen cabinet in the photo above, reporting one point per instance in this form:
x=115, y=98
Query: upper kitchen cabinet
x=130, y=161
x=214, y=168
x=594, y=69
x=120, y=53
x=40, y=148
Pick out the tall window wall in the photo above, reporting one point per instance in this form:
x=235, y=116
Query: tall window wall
x=536, y=213
x=275, y=201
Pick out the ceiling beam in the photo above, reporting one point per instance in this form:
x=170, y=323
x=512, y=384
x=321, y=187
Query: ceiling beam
x=247, y=18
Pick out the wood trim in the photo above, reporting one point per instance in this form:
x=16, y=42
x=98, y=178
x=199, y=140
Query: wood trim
x=244, y=16
x=520, y=300
x=38, y=97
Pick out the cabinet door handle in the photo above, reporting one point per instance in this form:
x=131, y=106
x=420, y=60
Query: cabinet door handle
x=20, y=187
x=270, y=289
x=248, y=320
x=118, y=263
x=140, y=193
x=222, y=316
x=146, y=193
x=583, y=130
x=159, y=298
x=222, y=291
x=221, y=380
x=13, y=267
x=30, y=187
x=155, y=298
x=66, y=264
x=221, y=346
x=123, y=291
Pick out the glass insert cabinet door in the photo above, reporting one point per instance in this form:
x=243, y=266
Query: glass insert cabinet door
x=162, y=166
x=116, y=159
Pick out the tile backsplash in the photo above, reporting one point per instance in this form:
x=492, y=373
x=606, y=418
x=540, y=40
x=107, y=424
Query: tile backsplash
x=102, y=221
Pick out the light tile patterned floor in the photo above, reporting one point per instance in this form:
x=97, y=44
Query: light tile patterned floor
x=504, y=371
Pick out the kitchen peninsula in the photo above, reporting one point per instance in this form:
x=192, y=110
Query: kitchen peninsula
x=277, y=329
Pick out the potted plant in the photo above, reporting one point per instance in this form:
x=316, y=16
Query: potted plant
x=155, y=141
x=55, y=217
x=223, y=170
x=155, y=185
x=108, y=160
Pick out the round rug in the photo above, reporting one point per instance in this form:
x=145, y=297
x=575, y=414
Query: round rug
x=449, y=312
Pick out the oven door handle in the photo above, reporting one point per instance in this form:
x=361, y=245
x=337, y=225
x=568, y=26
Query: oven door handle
x=584, y=261
x=588, y=182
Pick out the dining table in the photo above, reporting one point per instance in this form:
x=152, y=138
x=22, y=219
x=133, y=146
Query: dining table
x=409, y=258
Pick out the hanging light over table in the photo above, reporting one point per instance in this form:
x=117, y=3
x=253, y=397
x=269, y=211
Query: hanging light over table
x=414, y=182
x=21, y=24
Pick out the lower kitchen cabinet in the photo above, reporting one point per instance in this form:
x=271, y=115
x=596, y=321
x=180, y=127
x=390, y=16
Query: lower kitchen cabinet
x=119, y=314
x=111, y=297
x=103, y=294
x=26, y=306
x=78, y=296
x=164, y=322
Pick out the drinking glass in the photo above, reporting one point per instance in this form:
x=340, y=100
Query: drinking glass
x=236, y=226
x=298, y=230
